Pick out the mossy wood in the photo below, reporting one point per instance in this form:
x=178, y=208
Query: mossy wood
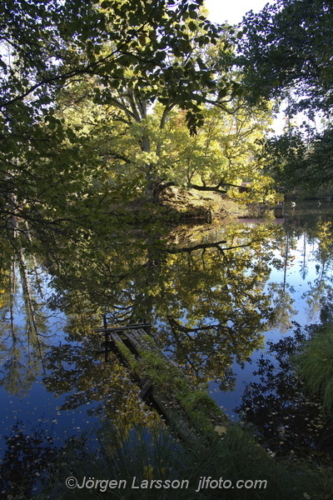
x=191, y=412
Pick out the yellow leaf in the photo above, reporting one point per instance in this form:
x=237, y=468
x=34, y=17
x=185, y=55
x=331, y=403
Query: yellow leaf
x=148, y=472
x=220, y=429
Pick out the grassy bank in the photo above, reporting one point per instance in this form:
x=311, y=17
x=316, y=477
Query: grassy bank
x=154, y=465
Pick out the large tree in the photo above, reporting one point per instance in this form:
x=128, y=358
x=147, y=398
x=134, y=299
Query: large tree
x=134, y=143
x=137, y=51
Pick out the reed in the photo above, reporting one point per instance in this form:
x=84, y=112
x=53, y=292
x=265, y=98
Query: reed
x=156, y=455
x=314, y=365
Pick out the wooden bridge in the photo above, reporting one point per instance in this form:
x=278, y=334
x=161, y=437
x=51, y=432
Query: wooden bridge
x=189, y=412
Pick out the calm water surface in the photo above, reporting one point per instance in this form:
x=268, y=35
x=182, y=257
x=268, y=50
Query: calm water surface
x=214, y=295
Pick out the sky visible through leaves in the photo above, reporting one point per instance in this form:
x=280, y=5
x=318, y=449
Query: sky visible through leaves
x=233, y=12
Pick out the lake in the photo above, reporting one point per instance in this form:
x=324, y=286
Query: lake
x=215, y=295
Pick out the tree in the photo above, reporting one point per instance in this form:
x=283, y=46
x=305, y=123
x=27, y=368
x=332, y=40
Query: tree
x=206, y=297
x=51, y=42
x=296, y=160
x=287, y=53
x=289, y=45
x=22, y=365
x=146, y=51
x=224, y=151
x=188, y=81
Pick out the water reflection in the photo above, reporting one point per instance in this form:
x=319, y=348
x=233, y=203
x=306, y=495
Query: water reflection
x=205, y=296
x=24, y=342
x=212, y=293
x=288, y=421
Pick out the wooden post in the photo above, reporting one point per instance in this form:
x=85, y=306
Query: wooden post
x=279, y=211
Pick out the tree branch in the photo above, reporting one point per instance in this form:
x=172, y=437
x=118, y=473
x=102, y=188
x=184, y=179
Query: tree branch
x=196, y=247
x=207, y=188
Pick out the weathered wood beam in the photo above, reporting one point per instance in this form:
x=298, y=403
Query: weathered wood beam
x=120, y=328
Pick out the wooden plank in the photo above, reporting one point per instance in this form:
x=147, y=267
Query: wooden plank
x=175, y=419
x=137, y=334
x=167, y=404
x=115, y=337
x=121, y=328
x=134, y=343
x=173, y=416
x=147, y=386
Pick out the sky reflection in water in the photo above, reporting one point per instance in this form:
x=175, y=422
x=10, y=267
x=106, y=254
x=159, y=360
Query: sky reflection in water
x=297, y=283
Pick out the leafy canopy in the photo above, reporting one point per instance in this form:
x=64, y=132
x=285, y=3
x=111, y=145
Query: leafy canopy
x=150, y=51
x=289, y=45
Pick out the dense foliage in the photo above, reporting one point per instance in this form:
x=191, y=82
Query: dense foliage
x=101, y=103
x=287, y=54
x=108, y=101
x=289, y=46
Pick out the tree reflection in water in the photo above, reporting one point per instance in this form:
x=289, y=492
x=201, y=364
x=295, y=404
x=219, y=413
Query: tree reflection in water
x=289, y=423
x=205, y=291
x=205, y=299
x=31, y=459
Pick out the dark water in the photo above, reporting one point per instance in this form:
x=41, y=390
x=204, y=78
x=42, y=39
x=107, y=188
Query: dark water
x=215, y=294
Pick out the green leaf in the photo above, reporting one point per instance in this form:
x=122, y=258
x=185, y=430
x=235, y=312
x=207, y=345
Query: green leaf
x=192, y=26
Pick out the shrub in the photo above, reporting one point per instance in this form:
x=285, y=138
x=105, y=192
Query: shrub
x=314, y=365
